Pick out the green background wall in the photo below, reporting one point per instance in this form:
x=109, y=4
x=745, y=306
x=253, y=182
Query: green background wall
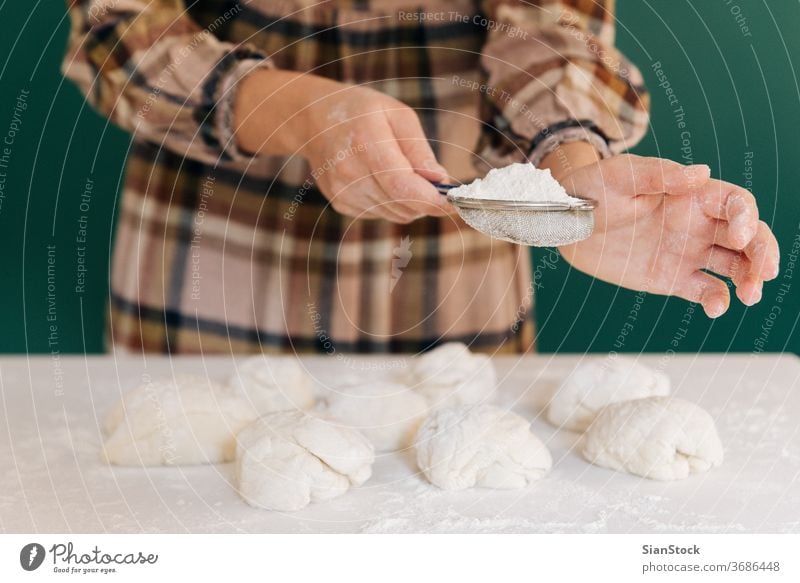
x=729, y=63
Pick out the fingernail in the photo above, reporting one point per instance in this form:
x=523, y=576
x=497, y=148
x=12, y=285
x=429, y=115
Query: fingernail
x=740, y=238
x=697, y=171
x=742, y=230
x=715, y=309
x=750, y=295
x=741, y=219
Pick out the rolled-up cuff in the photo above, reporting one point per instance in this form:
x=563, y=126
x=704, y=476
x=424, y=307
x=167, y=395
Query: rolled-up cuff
x=503, y=147
x=553, y=137
x=219, y=95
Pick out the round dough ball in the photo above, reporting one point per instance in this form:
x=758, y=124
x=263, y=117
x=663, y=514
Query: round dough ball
x=182, y=421
x=450, y=375
x=273, y=383
x=343, y=378
x=462, y=447
x=658, y=437
x=286, y=460
x=388, y=414
x=597, y=383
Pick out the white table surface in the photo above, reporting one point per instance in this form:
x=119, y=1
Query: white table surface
x=52, y=479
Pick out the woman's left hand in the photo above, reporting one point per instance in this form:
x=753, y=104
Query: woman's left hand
x=659, y=226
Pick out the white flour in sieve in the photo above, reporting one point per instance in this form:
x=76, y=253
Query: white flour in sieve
x=522, y=182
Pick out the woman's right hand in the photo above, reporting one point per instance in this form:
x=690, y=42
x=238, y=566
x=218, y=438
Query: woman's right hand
x=367, y=151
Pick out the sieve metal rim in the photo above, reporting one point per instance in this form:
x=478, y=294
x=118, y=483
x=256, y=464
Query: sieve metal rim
x=518, y=205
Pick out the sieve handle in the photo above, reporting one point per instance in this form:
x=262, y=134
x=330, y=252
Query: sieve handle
x=443, y=188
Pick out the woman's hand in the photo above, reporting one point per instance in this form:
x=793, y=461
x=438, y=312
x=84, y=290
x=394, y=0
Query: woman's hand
x=367, y=151
x=659, y=224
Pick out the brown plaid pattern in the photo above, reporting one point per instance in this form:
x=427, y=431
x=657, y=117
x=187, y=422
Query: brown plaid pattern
x=219, y=251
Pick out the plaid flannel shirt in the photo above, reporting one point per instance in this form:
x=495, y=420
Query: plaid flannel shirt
x=217, y=250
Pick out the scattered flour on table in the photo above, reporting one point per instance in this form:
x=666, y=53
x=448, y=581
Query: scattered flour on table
x=450, y=521
x=520, y=182
x=425, y=509
x=69, y=441
x=405, y=506
x=759, y=425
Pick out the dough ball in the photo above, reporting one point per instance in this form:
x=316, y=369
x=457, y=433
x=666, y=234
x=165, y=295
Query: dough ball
x=288, y=459
x=388, y=414
x=273, y=383
x=343, y=378
x=182, y=421
x=657, y=437
x=462, y=447
x=450, y=375
x=597, y=383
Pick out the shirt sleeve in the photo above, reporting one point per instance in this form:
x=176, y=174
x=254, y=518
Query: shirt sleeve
x=554, y=76
x=153, y=71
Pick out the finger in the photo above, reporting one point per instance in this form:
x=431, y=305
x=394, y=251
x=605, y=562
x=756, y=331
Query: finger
x=763, y=253
x=411, y=137
x=729, y=263
x=346, y=209
x=722, y=235
x=737, y=266
x=406, y=208
x=394, y=217
x=394, y=211
x=384, y=214
x=635, y=175
x=364, y=196
x=708, y=291
x=400, y=211
x=749, y=290
x=408, y=188
x=398, y=180
x=721, y=200
x=404, y=219
x=370, y=213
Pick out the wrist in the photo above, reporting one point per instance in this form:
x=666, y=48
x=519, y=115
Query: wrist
x=271, y=113
x=568, y=157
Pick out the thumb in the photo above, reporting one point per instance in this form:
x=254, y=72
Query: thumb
x=635, y=175
x=629, y=175
x=412, y=141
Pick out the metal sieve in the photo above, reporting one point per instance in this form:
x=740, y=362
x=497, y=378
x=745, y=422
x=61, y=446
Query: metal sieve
x=537, y=224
